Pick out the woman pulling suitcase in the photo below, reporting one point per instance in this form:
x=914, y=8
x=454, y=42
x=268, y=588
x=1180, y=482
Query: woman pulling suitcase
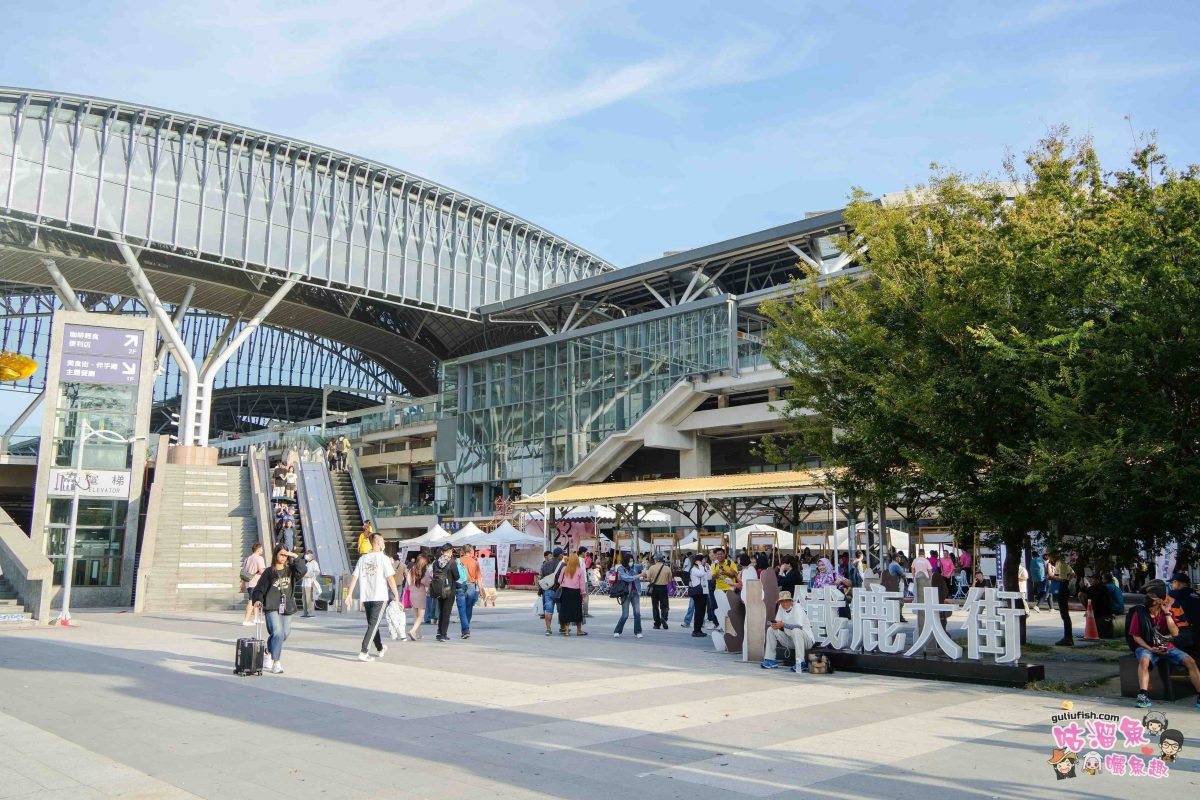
x=275, y=593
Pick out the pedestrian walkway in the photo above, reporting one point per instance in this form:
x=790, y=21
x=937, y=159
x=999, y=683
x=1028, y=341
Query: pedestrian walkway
x=148, y=705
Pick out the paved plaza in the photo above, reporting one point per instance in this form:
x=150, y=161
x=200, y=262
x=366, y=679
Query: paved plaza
x=146, y=706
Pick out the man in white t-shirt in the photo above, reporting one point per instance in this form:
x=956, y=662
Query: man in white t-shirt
x=376, y=578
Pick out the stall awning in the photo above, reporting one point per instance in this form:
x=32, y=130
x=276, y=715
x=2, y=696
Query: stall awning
x=755, y=484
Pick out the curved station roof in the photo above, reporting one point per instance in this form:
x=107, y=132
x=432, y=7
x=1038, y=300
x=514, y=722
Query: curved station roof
x=389, y=263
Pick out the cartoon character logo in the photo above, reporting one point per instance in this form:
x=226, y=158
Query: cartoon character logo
x=1063, y=762
x=1171, y=742
x=1092, y=763
x=1155, y=722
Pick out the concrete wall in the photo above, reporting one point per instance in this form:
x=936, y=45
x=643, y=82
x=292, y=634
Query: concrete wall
x=24, y=566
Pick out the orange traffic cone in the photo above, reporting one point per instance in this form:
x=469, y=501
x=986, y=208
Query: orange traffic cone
x=1090, y=634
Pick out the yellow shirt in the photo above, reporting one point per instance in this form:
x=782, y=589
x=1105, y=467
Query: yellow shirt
x=364, y=544
x=726, y=574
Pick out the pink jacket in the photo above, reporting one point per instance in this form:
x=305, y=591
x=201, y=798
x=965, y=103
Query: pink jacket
x=576, y=581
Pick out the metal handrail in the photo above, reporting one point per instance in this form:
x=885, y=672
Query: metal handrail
x=262, y=503
x=360, y=490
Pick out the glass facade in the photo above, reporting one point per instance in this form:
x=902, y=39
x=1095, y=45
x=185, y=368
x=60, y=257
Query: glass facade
x=526, y=414
x=100, y=528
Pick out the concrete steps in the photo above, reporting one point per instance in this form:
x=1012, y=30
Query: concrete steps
x=12, y=610
x=205, y=529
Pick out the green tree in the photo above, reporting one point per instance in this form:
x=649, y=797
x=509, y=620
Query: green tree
x=984, y=350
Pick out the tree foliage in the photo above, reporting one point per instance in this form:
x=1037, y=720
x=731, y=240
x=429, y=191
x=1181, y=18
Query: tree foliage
x=1028, y=350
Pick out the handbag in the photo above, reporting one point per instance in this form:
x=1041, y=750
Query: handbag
x=548, y=582
x=695, y=591
x=405, y=599
x=246, y=576
x=619, y=589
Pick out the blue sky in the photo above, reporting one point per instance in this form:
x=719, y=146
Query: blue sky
x=633, y=128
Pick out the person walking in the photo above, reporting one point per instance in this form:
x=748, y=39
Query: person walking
x=253, y=567
x=572, y=586
x=468, y=589
x=659, y=576
x=364, y=539
x=274, y=591
x=343, y=451
x=1064, y=574
x=312, y=583
x=551, y=565
x=376, y=578
x=285, y=539
x=1037, y=574
x=441, y=589
x=629, y=575
x=289, y=482
x=698, y=591
x=418, y=580
x=279, y=479
x=585, y=560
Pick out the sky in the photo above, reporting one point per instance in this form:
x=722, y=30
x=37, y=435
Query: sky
x=635, y=128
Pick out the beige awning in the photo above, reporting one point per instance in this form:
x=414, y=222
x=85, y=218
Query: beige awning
x=754, y=484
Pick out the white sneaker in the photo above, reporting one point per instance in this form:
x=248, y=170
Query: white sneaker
x=267, y=662
x=277, y=668
x=637, y=635
x=247, y=623
x=383, y=651
x=363, y=657
x=616, y=636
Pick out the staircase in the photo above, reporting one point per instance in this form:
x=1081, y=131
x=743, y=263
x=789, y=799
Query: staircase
x=348, y=512
x=12, y=612
x=205, y=529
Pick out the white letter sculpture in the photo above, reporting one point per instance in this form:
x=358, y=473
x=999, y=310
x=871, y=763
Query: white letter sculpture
x=993, y=624
x=875, y=621
x=822, y=606
x=928, y=611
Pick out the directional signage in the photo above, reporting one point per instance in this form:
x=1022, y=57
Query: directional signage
x=92, y=354
x=112, y=483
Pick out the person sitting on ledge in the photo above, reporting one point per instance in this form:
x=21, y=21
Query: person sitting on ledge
x=1148, y=631
x=792, y=629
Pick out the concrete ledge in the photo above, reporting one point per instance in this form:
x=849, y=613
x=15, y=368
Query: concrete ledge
x=26, y=568
x=154, y=509
x=190, y=454
x=961, y=671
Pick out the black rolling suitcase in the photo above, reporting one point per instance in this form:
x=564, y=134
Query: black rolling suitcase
x=248, y=658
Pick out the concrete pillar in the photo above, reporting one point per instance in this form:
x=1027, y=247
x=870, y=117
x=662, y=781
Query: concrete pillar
x=696, y=462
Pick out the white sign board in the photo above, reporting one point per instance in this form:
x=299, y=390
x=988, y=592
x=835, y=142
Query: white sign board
x=710, y=542
x=110, y=483
x=502, y=552
x=487, y=570
x=762, y=540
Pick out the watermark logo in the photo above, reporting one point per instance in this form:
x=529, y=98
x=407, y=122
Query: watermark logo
x=1086, y=743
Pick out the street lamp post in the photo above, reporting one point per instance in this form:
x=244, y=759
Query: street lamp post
x=86, y=432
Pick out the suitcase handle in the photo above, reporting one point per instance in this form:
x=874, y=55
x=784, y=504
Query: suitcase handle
x=258, y=622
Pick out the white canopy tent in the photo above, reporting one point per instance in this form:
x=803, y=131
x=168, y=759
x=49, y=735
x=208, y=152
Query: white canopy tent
x=602, y=513
x=783, y=539
x=463, y=535
x=896, y=538
x=433, y=537
x=505, y=533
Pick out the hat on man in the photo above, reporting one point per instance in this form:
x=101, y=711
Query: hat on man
x=1181, y=577
x=784, y=596
x=660, y=556
x=1155, y=588
x=558, y=551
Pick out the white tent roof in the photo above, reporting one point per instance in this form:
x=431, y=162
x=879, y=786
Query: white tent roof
x=434, y=536
x=505, y=533
x=783, y=539
x=896, y=537
x=605, y=513
x=463, y=535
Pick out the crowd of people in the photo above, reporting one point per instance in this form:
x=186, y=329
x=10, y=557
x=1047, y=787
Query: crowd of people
x=1162, y=627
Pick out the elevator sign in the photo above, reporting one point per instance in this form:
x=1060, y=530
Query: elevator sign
x=93, y=354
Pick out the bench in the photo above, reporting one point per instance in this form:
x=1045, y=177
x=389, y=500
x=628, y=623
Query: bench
x=1163, y=680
